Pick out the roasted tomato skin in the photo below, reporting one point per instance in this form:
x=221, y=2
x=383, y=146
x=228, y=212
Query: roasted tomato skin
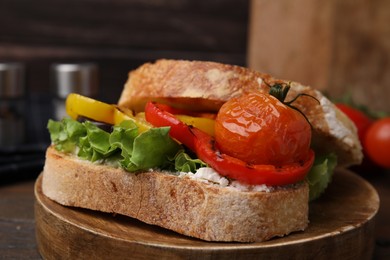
x=204, y=146
x=259, y=129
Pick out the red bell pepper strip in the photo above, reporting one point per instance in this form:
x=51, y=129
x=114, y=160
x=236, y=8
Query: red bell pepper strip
x=179, y=111
x=206, y=149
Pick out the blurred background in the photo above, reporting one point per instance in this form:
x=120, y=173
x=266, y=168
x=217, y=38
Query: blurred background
x=117, y=36
x=340, y=47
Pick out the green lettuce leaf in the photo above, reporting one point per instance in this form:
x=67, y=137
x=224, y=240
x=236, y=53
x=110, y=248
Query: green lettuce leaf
x=95, y=145
x=152, y=149
x=320, y=175
x=65, y=134
x=122, y=138
x=184, y=163
x=123, y=147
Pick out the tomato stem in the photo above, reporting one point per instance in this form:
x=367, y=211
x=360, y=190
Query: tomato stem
x=280, y=91
x=207, y=150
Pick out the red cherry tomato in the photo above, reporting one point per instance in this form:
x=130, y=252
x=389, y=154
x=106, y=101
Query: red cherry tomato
x=259, y=129
x=205, y=147
x=361, y=120
x=377, y=142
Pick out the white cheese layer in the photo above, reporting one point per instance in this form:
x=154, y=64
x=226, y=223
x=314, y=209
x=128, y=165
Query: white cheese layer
x=210, y=176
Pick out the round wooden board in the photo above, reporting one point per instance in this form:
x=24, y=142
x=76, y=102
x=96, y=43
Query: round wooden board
x=341, y=227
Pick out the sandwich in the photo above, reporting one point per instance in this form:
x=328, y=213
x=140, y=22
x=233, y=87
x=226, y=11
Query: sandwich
x=211, y=151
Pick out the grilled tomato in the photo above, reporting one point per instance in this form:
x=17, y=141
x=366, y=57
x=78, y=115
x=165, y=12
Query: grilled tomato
x=260, y=129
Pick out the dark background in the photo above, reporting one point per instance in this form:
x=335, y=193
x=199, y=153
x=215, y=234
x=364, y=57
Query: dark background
x=119, y=35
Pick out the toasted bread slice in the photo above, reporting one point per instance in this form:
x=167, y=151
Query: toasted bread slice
x=205, y=86
x=187, y=206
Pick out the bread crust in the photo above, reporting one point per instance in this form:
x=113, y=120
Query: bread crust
x=205, y=86
x=181, y=204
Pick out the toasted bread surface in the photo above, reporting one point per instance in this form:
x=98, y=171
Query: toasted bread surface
x=187, y=206
x=205, y=86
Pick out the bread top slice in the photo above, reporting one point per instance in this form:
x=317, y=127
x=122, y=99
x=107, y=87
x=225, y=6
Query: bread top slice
x=206, y=86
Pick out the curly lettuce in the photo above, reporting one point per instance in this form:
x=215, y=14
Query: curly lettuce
x=124, y=146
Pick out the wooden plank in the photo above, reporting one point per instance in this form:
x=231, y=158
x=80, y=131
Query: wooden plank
x=341, y=227
x=336, y=46
x=149, y=25
x=17, y=225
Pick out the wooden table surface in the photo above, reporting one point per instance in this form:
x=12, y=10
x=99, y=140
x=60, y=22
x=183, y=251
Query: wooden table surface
x=17, y=230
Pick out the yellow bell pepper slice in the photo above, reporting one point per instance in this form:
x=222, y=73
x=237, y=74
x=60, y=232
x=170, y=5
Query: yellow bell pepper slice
x=204, y=124
x=78, y=105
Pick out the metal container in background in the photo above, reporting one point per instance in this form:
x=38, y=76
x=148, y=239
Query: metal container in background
x=66, y=78
x=12, y=104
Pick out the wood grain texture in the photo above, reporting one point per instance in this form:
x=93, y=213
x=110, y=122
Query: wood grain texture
x=119, y=35
x=342, y=227
x=340, y=47
x=160, y=25
x=17, y=225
